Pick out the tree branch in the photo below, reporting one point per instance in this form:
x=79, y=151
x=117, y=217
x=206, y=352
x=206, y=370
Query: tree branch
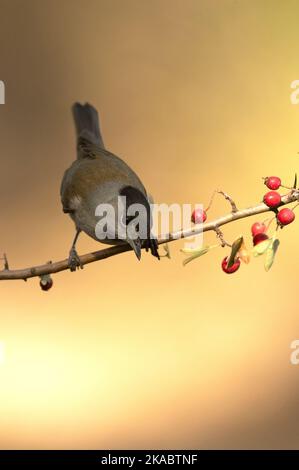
x=51, y=268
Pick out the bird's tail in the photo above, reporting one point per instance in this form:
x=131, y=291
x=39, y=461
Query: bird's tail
x=87, y=123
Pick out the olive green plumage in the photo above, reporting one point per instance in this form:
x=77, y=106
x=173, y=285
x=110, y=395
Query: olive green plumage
x=96, y=177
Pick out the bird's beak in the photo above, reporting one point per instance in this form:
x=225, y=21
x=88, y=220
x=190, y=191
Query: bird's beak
x=136, y=245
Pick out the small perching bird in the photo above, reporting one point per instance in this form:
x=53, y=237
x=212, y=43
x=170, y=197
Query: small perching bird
x=99, y=180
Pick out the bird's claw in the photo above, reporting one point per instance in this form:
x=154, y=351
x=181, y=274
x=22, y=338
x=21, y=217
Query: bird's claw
x=74, y=261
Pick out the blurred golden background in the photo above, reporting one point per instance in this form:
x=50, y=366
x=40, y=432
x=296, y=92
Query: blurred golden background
x=195, y=95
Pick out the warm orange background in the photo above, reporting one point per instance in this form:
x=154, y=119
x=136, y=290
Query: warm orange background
x=196, y=96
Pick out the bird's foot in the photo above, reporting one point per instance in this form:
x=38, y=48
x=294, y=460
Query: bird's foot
x=74, y=261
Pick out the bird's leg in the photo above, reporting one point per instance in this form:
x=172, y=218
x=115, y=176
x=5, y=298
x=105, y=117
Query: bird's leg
x=74, y=259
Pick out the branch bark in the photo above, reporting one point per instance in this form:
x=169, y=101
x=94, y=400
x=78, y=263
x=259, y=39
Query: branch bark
x=52, y=268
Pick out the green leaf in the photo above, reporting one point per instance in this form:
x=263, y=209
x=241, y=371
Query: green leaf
x=235, y=248
x=197, y=252
x=243, y=253
x=167, y=251
x=270, y=254
x=199, y=249
x=262, y=247
x=192, y=250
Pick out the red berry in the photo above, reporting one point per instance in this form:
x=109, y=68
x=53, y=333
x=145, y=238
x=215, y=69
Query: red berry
x=198, y=216
x=258, y=227
x=272, y=199
x=273, y=182
x=233, y=268
x=285, y=216
x=259, y=237
x=46, y=284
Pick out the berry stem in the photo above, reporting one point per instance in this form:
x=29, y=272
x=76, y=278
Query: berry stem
x=270, y=221
x=211, y=200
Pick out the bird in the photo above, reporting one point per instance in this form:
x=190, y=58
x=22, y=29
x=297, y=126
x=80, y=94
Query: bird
x=98, y=178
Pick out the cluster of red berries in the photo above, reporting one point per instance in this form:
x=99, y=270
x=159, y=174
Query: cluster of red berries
x=259, y=235
x=272, y=199
x=284, y=217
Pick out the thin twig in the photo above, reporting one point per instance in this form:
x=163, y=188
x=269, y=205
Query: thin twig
x=230, y=200
x=116, y=250
x=220, y=235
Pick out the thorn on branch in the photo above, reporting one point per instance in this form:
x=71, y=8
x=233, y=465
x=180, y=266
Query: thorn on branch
x=230, y=200
x=6, y=266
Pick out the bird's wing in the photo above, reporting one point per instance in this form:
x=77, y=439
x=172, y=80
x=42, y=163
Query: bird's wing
x=87, y=175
